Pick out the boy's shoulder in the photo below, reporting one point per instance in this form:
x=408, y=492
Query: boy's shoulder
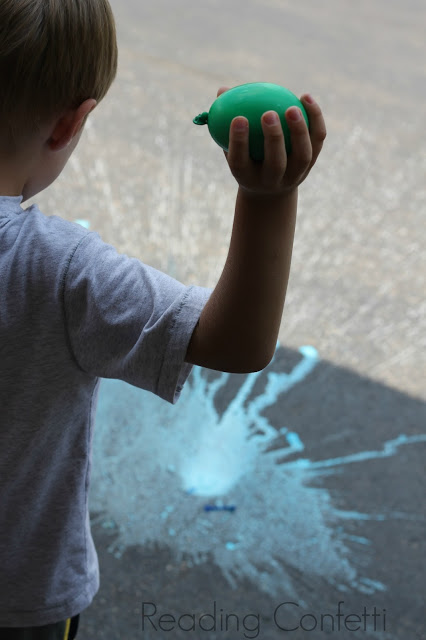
x=54, y=230
x=31, y=225
x=37, y=238
x=76, y=228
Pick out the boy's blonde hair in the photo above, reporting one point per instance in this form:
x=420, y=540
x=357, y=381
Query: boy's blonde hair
x=54, y=55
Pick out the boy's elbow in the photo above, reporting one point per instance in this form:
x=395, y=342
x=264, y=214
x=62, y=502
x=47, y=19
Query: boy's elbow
x=226, y=358
x=252, y=362
x=251, y=369
x=262, y=363
x=228, y=365
x=244, y=365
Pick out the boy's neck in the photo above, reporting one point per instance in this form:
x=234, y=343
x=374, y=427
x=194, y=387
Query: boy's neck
x=12, y=180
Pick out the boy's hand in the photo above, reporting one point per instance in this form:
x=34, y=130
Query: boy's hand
x=277, y=174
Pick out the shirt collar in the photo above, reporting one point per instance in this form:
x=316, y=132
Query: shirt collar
x=10, y=203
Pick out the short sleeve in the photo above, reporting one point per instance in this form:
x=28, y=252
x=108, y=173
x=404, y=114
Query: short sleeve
x=129, y=321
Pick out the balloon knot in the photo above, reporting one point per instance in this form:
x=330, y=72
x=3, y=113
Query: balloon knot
x=203, y=118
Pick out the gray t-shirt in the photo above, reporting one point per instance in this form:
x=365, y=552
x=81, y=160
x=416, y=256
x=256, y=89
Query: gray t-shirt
x=73, y=310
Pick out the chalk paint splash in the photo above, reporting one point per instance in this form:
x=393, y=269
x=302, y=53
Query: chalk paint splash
x=156, y=466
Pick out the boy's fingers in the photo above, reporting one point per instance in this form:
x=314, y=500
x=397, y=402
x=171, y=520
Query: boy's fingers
x=222, y=90
x=318, y=131
x=306, y=143
x=301, y=146
x=238, y=151
x=275, y=160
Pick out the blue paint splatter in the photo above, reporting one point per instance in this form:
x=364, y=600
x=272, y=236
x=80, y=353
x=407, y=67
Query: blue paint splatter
x=83, y=223
x=389, y=449
x=156, y=493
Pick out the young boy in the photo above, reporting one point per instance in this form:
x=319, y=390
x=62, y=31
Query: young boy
x=74, y=310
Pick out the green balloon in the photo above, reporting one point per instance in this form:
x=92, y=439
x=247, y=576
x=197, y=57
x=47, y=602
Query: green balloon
x=250, y=100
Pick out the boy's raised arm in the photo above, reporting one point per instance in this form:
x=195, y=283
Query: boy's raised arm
x=238, y=328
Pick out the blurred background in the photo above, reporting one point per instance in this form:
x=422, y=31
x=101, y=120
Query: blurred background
x=303, y=483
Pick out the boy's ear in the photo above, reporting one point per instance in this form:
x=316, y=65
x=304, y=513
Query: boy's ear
x=68, y=126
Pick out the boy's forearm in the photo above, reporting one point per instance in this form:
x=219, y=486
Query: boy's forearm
x=239, y=325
